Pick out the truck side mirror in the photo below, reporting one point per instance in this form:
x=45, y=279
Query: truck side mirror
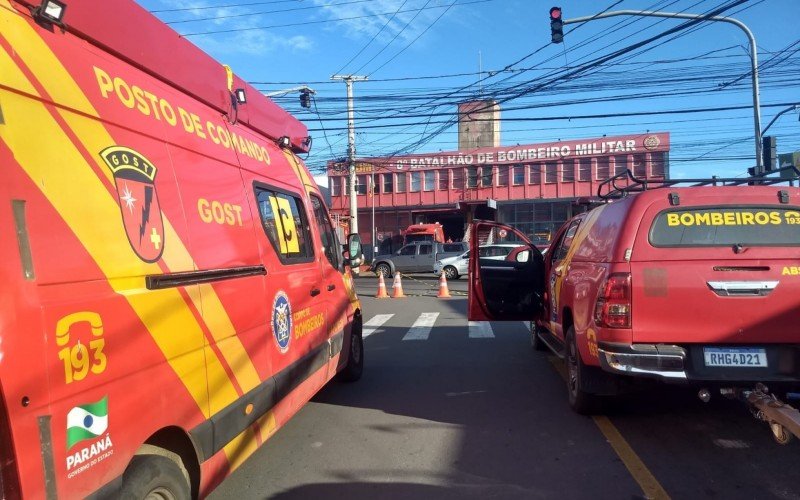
x=354, y=255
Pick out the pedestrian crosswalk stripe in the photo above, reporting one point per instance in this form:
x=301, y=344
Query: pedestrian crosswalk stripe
x=374, y=323
x=422, y=327
x=480, y=330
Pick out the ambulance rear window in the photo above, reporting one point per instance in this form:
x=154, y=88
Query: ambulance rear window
x=727, y=225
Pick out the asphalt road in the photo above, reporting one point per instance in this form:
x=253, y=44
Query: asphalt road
x=472, y=412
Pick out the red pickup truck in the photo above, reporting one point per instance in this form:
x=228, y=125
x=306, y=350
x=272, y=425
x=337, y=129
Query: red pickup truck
x=697, y=285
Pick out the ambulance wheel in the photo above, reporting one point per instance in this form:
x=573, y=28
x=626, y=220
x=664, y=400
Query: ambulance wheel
x=536, y=341
x=153, y=477
x=384, y=269
x=451, y=273
x=355, y=360
x=578, y=378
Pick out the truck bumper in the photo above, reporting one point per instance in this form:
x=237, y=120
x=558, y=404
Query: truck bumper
x=686, y=363
x=644, y=360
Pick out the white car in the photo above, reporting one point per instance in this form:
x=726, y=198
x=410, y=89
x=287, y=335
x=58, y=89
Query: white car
x=454, y=267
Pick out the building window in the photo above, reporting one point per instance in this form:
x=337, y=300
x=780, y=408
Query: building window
x=535, y=174
x=416, y=181
x=542, y=212
x=602, y=168
x=387, y=183
x=458, y=178
x=519, y=175
x=584, y=169
x=658, y=164
x=347, y=185
x=430, y=180
x=639, y=166
x=620, y=164
x=336, y=185
x=444, y=178
x=502, y=175
x=401, y=182
x=550, y=173
x=568, y=171
x=472, y=177
x=486, y=176
x=361, y=184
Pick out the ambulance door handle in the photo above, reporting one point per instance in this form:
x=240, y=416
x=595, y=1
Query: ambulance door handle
x=331, y=287
x=315, y=292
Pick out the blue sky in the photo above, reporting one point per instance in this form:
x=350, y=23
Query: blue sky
x=423, y=56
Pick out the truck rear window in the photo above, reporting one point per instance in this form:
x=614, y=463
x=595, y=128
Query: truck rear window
x=723, y=226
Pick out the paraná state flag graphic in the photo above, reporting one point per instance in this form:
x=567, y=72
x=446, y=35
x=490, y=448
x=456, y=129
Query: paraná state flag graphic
x=87, y=422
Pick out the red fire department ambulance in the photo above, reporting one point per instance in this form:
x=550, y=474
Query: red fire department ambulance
x=693, y=285
x=173, y=290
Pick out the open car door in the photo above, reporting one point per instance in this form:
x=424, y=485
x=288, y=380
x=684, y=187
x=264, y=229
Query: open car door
x=504, y=290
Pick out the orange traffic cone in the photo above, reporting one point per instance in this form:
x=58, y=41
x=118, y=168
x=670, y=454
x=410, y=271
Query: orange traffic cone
x=382, y=294
x=398, y=287
x=444, y=292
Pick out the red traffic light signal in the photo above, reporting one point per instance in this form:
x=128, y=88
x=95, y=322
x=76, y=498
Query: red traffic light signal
x=556, y=25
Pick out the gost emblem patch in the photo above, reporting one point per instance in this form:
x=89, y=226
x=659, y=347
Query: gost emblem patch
x=282, y=320
x=134, y=177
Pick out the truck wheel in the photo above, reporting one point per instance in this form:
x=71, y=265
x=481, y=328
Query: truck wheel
x=355, y=361
x=154, y=477
x=383, y=269
x=450, y=273
x=578, y=374
x=536, y=342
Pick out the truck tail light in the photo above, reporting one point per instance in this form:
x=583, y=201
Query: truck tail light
x=9, y=478
x=613, y=308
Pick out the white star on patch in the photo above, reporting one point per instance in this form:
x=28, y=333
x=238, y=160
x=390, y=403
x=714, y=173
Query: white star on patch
x=128, y=198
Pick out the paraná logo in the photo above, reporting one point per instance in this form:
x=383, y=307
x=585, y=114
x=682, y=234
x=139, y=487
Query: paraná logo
x=87, y=421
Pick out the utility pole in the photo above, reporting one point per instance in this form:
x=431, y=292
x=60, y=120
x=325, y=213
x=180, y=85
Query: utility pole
x=351, y=148
x=680, y=15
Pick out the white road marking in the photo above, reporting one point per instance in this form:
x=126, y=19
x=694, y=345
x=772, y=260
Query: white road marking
x=374, y=323
x=421, y=328
x=480, y=330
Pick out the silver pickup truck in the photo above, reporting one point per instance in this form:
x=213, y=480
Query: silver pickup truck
x=416, y=257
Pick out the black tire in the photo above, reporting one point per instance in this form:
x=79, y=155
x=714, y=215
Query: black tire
x=384, y=269
x=536, y=341
x=581, y=401
x=355, y=360
x=153, y=477
x=450, y=273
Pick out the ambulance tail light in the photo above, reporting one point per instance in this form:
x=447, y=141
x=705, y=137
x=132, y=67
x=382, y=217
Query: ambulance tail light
x=9, y=478
x=613, y=308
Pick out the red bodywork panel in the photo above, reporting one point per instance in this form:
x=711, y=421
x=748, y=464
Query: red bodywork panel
x=128, y=31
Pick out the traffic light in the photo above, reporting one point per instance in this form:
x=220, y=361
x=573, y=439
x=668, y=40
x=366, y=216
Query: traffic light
x=305, y=99
x=556, y=25
x=769, y=152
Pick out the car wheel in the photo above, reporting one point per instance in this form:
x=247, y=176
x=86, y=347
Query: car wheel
x=578, y=375
x=355, y=360
x=154, y=477
x=536, y=341
x=384, y=270
x=451, y=273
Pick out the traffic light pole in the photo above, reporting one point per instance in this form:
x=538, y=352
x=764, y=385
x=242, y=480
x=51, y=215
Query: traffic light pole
x=351, y=149
x=678, y=15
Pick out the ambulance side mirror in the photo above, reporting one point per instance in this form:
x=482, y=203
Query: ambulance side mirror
x=354, y=256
